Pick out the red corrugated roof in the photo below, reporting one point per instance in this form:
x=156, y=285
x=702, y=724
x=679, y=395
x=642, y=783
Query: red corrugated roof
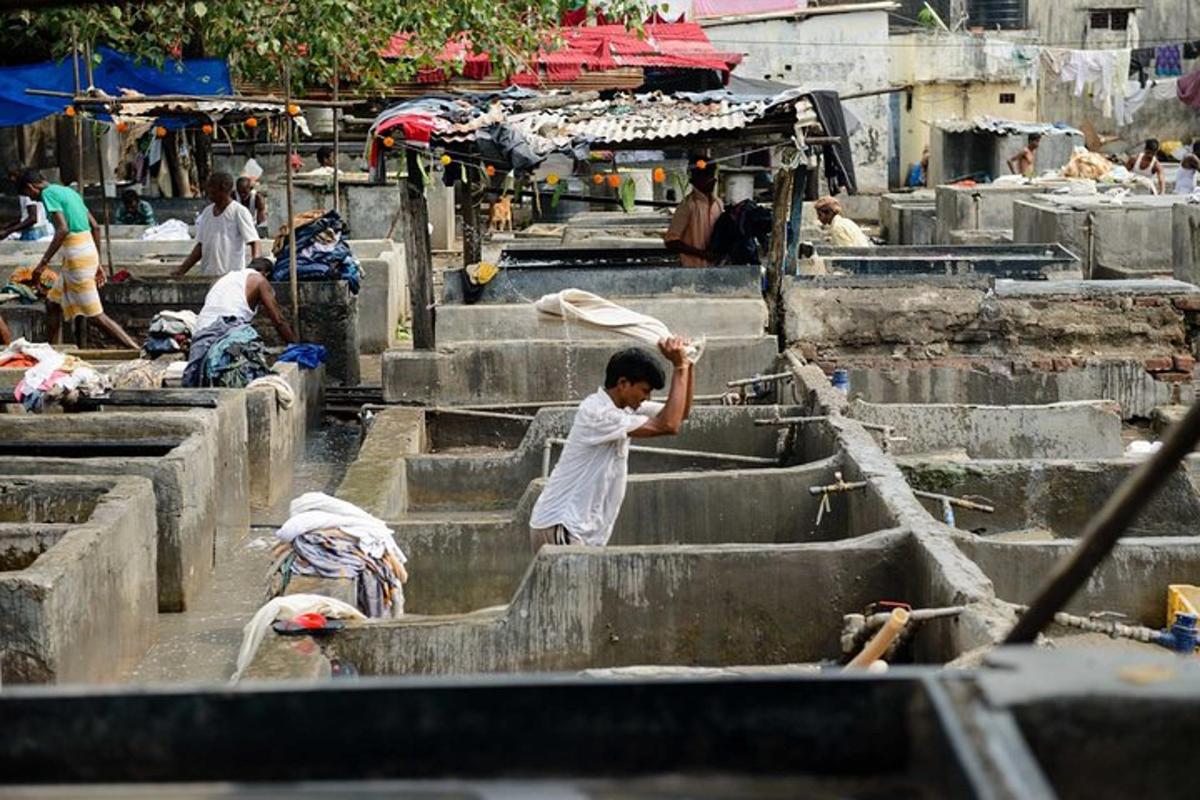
x=595, y=48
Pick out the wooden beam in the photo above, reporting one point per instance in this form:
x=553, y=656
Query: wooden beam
x=419, y=255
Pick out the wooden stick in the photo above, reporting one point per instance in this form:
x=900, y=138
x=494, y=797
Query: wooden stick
x=1105, y=529
x=291, y=222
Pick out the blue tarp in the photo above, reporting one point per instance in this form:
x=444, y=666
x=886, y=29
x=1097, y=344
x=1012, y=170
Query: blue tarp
x=116, y=71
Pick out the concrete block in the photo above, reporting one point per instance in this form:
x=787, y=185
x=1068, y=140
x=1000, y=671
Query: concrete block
x=986, y=382
x=1185, y=242
x=1061, y=430
x=1127, y=240
x=523, y=371
x=77, y=597
x=195, y=459
x=383, y=301
x=977, y=208
x=581, y=607
x=695, y=316
x=524, y=284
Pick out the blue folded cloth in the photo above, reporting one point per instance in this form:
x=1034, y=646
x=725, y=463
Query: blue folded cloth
x=308, y=356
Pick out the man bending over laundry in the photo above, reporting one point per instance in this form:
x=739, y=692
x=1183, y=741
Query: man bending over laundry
x=223, y=326
x=583, y=496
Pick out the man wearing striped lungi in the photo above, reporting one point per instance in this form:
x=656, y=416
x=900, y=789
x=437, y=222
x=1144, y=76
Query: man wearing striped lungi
x=76, y=293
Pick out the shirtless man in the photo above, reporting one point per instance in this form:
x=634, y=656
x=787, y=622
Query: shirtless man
x=1024, y=162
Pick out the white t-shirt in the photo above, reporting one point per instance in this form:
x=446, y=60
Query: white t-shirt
x=41, y=228
x=223, y=238
x=586, y=488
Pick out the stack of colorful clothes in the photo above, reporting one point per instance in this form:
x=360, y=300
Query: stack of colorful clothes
x=323, y=252
x=226, y=353
x=26, y=289
x=52, y=376
x=330, y=538
x=170, y=332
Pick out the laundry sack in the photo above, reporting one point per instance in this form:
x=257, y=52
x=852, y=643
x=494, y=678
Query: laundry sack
x=578, y=306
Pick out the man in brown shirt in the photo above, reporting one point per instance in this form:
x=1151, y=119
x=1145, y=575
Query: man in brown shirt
x=692, y=225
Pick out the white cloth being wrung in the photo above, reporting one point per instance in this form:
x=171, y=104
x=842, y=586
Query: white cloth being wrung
x=576, y=305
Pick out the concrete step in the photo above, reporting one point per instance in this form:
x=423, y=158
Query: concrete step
x=696, y=316
x=532, y=370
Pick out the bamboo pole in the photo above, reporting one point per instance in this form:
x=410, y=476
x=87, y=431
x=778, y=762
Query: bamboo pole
x=87, y=99
x=337, y=138
x=291, y=126
x=78, y=121
x=103, y=173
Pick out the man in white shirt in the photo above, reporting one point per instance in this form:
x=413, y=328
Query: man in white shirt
x=224, y=230
x=583, y=495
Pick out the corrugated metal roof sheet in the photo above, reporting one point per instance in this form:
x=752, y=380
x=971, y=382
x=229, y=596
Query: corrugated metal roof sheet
x=631, y=118
x=988, y=124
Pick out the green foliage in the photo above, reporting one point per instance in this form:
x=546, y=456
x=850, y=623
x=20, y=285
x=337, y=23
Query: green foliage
x=311, y=36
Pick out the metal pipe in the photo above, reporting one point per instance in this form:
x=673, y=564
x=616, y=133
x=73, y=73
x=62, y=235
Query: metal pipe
x=1105, y=529
x=786, y=421
x=955, y=501
x=470, y=412
x=837, y=488
x=666, y=451
x=775, y=378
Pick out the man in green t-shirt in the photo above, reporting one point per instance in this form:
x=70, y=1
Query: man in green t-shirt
x=76, y=293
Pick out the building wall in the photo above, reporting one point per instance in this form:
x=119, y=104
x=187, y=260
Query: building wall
x=847, y=52
x=1159, y=21
x=953, y=76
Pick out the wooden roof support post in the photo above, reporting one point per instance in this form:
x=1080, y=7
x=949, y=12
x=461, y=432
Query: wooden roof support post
x=291, y=223
x=472, y=235
x=777, y=259
x=103, y=178
x=418, y=254
x=337, y=138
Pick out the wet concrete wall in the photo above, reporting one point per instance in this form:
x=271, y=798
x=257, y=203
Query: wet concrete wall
x=977, y=208
x=1111, y=240
x=1185, y=242
x=1056, y=497
x=1002, y=382
x=534, y=370
x=1132, y=581
x=328, y=314
x=1002, y=319
x=200, y=477
x=1064, y=430
x=694, y=317
x=664, y=605
x=77, y=584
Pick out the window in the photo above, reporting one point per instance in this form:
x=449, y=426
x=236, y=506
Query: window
x=1008, y=98
x=1114, y=19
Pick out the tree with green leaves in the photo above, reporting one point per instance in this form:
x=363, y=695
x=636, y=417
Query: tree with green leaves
x=312, y=36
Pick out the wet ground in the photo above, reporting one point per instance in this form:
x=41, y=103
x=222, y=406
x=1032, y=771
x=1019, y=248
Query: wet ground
x=201, y=644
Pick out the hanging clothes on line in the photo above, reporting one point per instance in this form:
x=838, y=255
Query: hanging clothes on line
x=1104, y=72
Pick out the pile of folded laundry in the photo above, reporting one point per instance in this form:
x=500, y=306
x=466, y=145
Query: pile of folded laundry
x=323, y=252
x=170, y=332
x=25, y=289
x=330, y=538
x=51, y=376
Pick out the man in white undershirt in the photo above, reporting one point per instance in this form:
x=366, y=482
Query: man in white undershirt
x=583, y=495
x=224, y=231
